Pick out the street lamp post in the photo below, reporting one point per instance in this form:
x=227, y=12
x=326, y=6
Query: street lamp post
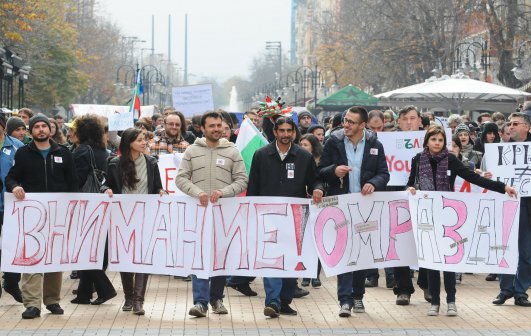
x=468, y=48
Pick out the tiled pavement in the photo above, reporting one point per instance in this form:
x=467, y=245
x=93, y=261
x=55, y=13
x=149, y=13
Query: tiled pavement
x=168, y=301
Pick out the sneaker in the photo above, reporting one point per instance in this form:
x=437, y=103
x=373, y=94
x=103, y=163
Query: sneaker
x=218, y=307
x=300, y=292
x=345, y=310
x=434, y=310
x=271, y=310
x=198, y=310
x=244, y=288
x=358, y=306
x=285, y=309
x=316, y=282
x=501, y=298
x=458, y=277
x=305, y=282
x=452, y=309
x=522, y=301
x=491, y=277
x=427, y=295
x=403, y=299
x=55, y=309
x=370, y=283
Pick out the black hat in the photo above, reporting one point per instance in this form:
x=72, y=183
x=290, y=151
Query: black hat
x=314, y=127
x=39, y=117
x=13, y=123
x=2, y=119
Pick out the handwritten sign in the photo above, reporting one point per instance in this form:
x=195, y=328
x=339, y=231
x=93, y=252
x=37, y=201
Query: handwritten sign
x=400, y=148
x=466, y=232
x=510, y=163
x=120, y=121
x=108, y=110
x=193, y=99
x=168, y=168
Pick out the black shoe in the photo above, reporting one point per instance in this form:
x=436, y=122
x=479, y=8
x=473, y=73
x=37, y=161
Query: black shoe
x=77, y=300
x=104, y=299
x=300, y=292
x=245, y=289
x=371, y=282
x=271, y=310
x=187, y=278
x=55, y=309
x=491, y=277
x=74, y=275
x=390, y=282
x=305, y=282
x=316, y=283
x=31, y=313
x=285, y=309
x=15, y=293
x=501, y=298
x=522, y=301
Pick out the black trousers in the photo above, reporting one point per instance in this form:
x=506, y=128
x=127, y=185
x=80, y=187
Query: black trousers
x=97, y=279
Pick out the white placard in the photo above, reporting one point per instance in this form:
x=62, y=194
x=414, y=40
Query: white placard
x=168, y=169
x=461, y=232
x=510, y=163
x=108, y=110
x=193, y=99
x=120, y=121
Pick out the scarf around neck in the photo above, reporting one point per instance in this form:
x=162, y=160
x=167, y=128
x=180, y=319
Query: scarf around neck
x=442, y=182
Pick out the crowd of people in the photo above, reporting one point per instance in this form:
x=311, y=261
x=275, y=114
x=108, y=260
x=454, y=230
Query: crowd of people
x=307, y=159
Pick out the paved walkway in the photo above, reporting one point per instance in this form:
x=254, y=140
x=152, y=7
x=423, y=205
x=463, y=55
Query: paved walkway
x=168, y=301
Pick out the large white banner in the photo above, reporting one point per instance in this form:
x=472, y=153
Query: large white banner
x=193, y=99
x=354, y=232
x=400, y=148
x=466, y=232
x=168, y=169
x=109, y=110
x=510, y=163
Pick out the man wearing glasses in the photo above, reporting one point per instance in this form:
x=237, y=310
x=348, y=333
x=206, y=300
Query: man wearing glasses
x=170, y=140
x=353, y=161
x=516, y=285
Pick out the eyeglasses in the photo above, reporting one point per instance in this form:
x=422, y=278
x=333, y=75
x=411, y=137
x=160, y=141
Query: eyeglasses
x=516, y=123
x=350, y=122
x=173, y=124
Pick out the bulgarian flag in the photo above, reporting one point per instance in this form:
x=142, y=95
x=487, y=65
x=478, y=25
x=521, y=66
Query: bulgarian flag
x=249, y=140
x=135, y=100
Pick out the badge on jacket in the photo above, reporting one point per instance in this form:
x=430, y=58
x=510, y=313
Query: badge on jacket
x=6, y=151
x=58, y=159
x=374, y=151
x=220, y=162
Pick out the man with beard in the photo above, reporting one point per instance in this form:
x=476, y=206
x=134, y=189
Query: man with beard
x=282, y=168
x=305, y=121
x=211, y=168
x=171, y=139
x=41, y=166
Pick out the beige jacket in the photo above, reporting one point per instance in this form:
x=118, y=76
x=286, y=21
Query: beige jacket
x=205, y=169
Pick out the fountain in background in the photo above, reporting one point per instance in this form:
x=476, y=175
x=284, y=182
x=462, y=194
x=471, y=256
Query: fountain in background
x=234, y=104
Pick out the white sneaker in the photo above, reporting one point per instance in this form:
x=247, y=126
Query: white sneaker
x=345, y=310
x=452, y=309
x=198, y=310
x=218, y=307
x=434, y=310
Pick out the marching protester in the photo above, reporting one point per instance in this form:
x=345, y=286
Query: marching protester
x=353, y=161
x=133, y=172
x=171, y=139
x=463, y=132
x=305, y=121
x=282, y=168
x=91, y=154
x=211, y=168
x=41, y=166
x=435, y=169
x=57, y=135
x=16, y=128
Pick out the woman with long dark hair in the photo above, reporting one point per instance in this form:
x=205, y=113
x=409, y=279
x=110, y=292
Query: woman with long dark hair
x=133, y=172
x=91, y=151
x=435, y=169
x=56, y=133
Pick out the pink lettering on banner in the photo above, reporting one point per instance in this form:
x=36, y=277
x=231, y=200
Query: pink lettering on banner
x=484, y=228
x=123, y=239
x=509, y=214
x=58, y=230
x=90, y=227
x=396, y=165
x=270, y=240
x=397, y=228
x=167, y=178
x=451, y=231
x=161, y=232
x=31, y=217
x=237, y=234
x=300, y=219
x=337, y=216
x=366, y=231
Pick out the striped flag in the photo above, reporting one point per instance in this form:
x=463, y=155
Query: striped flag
x=249, y=140
x=135, y=100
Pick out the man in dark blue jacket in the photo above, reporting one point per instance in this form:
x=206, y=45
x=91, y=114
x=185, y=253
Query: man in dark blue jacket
x=353, y=161
x=283, y=169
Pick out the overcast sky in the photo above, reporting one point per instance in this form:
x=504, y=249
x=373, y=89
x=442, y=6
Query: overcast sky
x=223, y=36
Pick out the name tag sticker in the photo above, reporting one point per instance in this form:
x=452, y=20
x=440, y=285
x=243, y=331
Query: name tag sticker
x=291, y=174
x=220, y=162
x=374, y=151
x=7, y=151
x=449, y=172
x=58, y=159
x=290, y=166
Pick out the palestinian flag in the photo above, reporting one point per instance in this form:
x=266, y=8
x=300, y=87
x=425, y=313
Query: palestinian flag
x=135, y=100
x=249, y=140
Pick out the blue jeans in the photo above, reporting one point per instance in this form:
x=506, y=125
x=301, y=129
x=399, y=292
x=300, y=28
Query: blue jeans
x=434, y=286
x=350, y=287
x=518, y=284
x=207, y=290
x=279, y=290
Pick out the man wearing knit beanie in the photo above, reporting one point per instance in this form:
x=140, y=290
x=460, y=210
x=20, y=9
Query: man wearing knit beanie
x=462, y=128
x=16, y=128
x=7, y=153
x=39, y=117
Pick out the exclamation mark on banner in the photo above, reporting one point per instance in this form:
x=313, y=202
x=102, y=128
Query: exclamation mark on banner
x=300, y=218
x=509, y=213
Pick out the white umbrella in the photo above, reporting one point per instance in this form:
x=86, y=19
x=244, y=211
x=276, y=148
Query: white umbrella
x=456, y=92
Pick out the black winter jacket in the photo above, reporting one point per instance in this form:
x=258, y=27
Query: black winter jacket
x=270, y=176
x=114, y=176
x=373, y=168
x=82, y=161
x=35, y=174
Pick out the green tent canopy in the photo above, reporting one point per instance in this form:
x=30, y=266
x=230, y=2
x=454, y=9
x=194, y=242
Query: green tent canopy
x=347, y=97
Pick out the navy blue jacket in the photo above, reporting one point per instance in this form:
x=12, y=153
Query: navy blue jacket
x=373, y=168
